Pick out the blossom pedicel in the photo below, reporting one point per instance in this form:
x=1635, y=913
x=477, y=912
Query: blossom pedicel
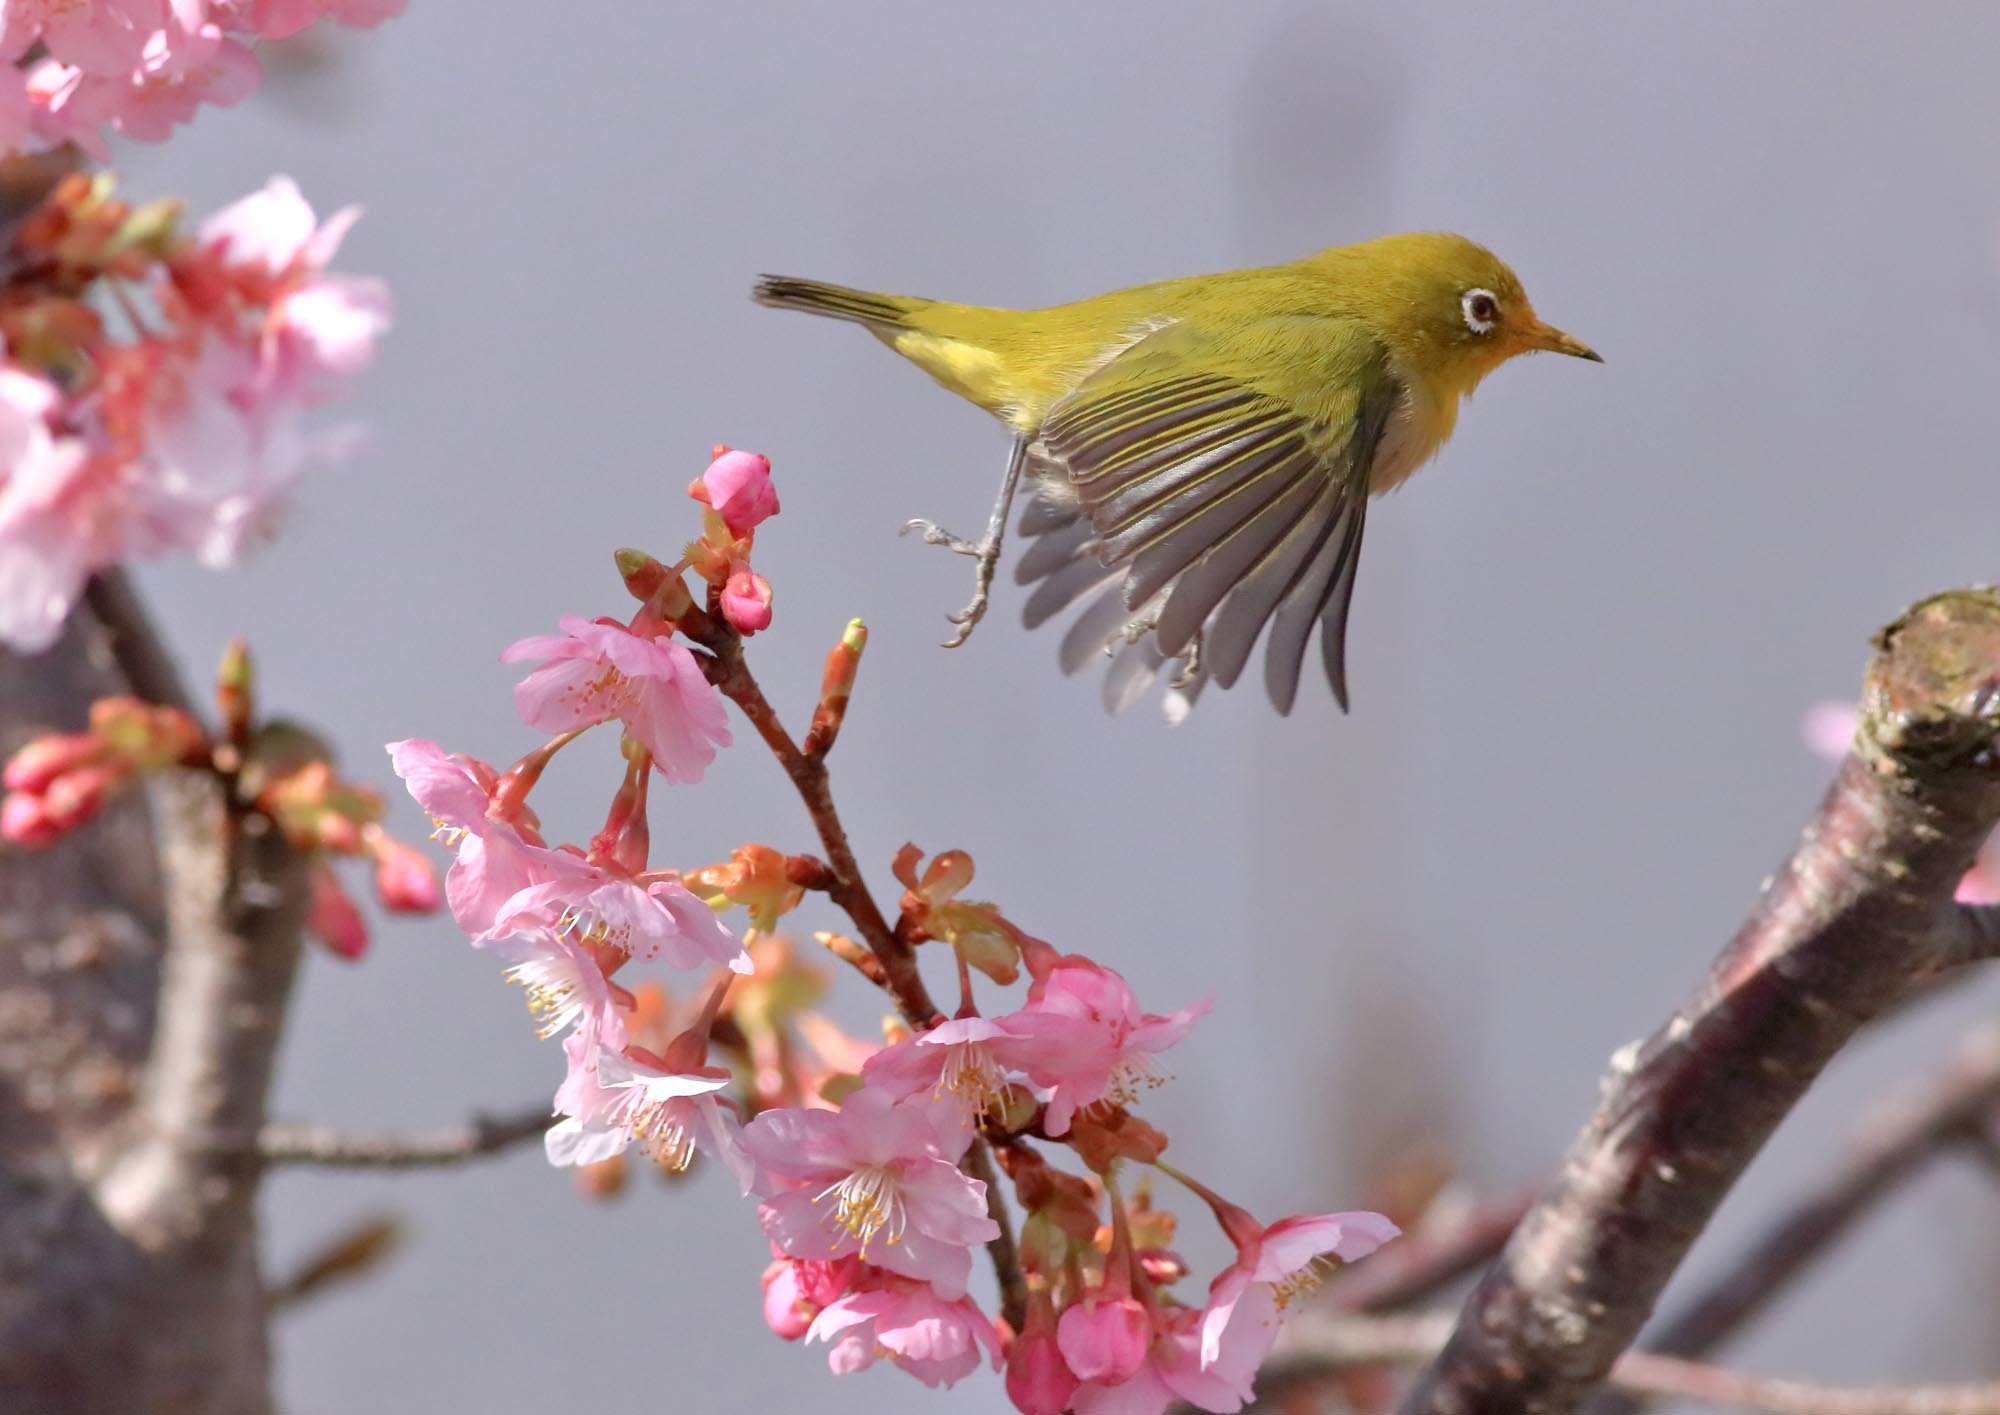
x=859, y=1156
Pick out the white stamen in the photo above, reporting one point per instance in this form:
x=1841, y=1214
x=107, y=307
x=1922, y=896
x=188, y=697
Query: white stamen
x=867, y=1202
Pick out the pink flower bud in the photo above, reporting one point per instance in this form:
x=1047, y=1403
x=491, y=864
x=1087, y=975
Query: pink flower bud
x=404, y=879
x=76, y=796
x=746, y=602
x=1105, y=1341
x=332, y=917
x=738, y=486
x=25, y=822
x=44, y=759
x=786, y=1311
x=1038, y=1381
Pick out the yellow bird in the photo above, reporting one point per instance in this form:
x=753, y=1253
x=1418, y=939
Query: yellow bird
x=1201, y=451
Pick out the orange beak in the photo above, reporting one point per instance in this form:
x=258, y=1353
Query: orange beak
x=1547, y=337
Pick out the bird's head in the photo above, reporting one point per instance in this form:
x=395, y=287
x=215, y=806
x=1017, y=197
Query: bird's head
x=1449, y=307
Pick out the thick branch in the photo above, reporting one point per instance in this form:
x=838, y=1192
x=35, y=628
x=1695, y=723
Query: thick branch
x=1969, y=933
x=1312, y=1353
x=1891, y=1147
x=1846, y=927
x=334, y=1148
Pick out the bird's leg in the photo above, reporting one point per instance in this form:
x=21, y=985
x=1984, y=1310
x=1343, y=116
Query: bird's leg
x=985, y=551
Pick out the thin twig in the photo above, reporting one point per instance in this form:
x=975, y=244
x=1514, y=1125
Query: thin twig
x=355, y=1253
x=1846, y=928
x=329, y=1146
x=1891, y=1147
x=1006, y=1258
x=1311, y=1353
x=134, y=646
x=847, y=888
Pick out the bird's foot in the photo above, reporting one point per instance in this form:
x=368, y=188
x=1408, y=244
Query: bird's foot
x=987, y=555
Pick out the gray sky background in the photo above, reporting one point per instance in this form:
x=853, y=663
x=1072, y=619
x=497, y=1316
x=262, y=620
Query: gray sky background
x=1582, y=641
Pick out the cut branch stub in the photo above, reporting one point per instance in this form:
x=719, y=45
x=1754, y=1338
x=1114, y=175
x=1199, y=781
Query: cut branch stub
x=1848, y=927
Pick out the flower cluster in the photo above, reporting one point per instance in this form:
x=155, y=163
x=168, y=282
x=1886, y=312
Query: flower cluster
x=184, y=430
x=140, y=67
x=273, y=768
x=870, y=1165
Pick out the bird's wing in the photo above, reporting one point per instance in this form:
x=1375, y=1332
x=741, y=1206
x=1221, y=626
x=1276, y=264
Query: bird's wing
x=1223, y=481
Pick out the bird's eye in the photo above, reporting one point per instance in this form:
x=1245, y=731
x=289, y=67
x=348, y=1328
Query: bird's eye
x=1480, y=309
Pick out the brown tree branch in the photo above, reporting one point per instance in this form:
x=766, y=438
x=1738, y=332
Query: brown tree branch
x=330, y=1147
x=1849, y=925
x=845, y=885
x=1891, y=1147
x=135, y=1283
x=1969, y=933
x=1311, y=1353
x=1431, y=1257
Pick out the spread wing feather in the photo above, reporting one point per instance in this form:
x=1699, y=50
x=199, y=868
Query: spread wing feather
x=1209, y=506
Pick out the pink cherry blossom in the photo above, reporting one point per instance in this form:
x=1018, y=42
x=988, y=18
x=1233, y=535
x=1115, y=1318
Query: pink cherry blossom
x=874, y=1179
x=1273, y=1265
x=738, y=485
x=746, y=602
x=671, y=1113
x=58, y=527
x=315, y=326
x=565, y=986
x=663, y=920
x=593, y=672
x=493, y=862
x=281, y=19
x=795, y=1290
x=960, y=1066
x=100, y=37
x=1088, y=1041
x=936, y=1340
x=179, y=68
x=1171, y=1372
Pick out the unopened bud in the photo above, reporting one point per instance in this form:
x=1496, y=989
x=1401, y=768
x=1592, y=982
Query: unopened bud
x=738, y=485
x=1039, y=1381
x=1105, y=1340
x=333, y=918
x=235, y=683
x=836, y=686
x=45, y=758
x=405, y=881
x=76, y=796
x=746, y=601
x=643, y=575
x=25, y=821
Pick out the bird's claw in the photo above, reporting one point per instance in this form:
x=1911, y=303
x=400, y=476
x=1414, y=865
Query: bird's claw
x=934, y=534
x=986, y=552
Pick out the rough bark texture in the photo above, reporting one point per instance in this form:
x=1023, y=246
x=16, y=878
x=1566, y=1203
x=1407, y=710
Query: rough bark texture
x=138, y=1025
x=1851, y=923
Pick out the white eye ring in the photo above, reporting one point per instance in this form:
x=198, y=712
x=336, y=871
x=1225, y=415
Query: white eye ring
x=1480, y=309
